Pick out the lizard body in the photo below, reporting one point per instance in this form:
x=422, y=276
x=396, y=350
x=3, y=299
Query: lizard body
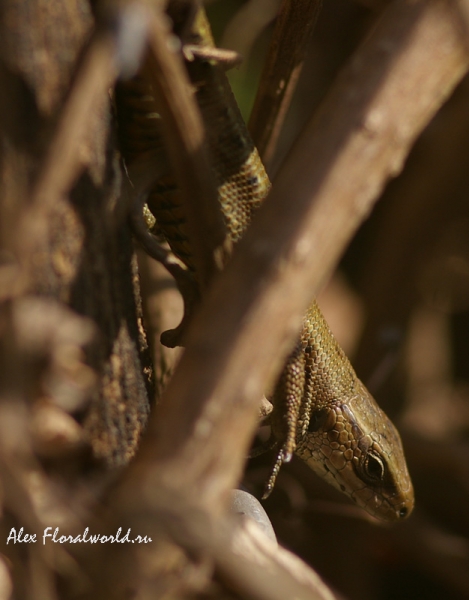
x=322, y=411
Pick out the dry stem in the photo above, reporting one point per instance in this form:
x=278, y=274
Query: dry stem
x=185, y=136
x=294, y=26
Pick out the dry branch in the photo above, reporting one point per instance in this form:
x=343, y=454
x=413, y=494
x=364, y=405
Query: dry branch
x=184, y=135
x=364, y=129
x=294, y=26
x=58, y=130
x=197, y=440
x=241, y=555
x=360, y=137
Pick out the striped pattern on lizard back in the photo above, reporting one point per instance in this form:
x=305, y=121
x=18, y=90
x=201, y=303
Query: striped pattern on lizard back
x=237, y=170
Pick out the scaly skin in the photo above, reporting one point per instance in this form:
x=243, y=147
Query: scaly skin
x=340, y=431
x=322, y=412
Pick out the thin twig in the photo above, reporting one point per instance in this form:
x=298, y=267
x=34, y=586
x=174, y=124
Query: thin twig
x=293, y=29
x=185, y=137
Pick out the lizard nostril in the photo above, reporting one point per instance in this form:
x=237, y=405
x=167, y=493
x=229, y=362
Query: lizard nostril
x=403, y=513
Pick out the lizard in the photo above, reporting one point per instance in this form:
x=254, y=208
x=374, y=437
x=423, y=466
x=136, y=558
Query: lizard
x=322, y=411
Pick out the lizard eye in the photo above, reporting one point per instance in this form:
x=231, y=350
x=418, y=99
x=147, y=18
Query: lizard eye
x=373, y=467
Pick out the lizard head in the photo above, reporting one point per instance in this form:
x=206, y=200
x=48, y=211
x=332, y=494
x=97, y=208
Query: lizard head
x=356, y=448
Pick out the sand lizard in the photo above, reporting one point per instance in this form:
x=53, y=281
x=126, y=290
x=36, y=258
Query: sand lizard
x=323, y=413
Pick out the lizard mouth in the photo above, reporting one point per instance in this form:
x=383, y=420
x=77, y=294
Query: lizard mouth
x=390, y=508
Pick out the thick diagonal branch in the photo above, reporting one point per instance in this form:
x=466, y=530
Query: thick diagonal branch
x=359, y=138
x=399, y=77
